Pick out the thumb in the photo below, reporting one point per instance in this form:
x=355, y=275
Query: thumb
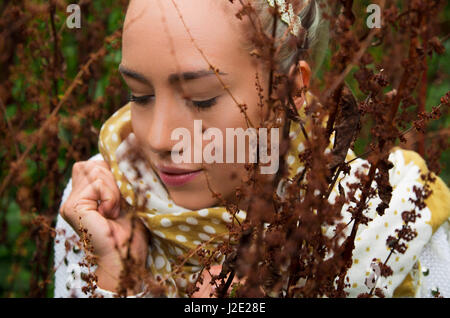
x=108, y=199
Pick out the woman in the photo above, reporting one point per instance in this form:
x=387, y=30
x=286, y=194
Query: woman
x=168, y=50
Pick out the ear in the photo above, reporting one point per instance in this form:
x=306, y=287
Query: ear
x=301, y=75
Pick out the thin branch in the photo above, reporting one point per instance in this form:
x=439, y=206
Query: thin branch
x=10, y=127
x=242, y=107
x=77, y=81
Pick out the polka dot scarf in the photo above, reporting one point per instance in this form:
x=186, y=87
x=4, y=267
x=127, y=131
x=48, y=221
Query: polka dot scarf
x=176, y=231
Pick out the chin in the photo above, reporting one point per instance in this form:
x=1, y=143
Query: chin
x=194, y=206
x=193, y=202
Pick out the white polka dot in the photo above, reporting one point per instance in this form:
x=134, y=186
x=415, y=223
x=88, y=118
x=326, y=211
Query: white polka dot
x=111, y=128
x=209, y=229
x=129, y=200
x=203, y=212
x=227, y=217
x=181, y=238
x=191, y=220
x=177, y=214
x=181, y=282
x=184, y=228
x=193, y=278
x=168, y=267
x=196, y=268
x=178, y=251
x=241, y=214
x=290, y=160
x=114, y=137
x=293, y=135
x=197, y=242
x=160, y=251
x=160, y=234
x=166, y=222
x=119, y=184
x=301, y=147
x=150, y=260
x=128, y=187
x=215, y=221
x=193, y=261
x=204, y=237
x=160, y=262
x=300, y=169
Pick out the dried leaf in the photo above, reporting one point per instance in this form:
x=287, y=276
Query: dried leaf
x=346, y=127
x=384, y=187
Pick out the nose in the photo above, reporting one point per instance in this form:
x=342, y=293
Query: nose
x=166, y=116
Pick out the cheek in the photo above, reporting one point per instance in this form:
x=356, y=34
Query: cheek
x=255, y=104
x=229, y=114
x=140, y=129
x=136, y=123
x=225, y=178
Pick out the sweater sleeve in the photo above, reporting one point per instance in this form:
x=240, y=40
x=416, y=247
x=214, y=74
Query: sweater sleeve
x=433, y=275
x=421, y=266
x=68, y=255
x=435, y=265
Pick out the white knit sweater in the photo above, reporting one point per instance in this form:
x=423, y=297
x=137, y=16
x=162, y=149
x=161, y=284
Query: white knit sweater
x=434, y=260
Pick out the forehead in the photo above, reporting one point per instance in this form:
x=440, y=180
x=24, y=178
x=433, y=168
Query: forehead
x=155, y=37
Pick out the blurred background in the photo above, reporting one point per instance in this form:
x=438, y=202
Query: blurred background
x=58, y=85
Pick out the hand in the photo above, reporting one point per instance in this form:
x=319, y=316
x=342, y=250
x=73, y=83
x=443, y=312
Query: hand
x=94, y=205
x=206, y=289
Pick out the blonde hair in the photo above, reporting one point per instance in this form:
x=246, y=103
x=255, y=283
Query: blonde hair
x=315, y=42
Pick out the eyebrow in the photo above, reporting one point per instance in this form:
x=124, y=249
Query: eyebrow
x=132, y=74
x=172, y=79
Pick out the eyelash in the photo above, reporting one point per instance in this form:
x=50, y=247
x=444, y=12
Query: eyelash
x=140, y=100
x=143, y=100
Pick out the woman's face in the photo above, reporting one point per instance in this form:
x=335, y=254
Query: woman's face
x=173, y=85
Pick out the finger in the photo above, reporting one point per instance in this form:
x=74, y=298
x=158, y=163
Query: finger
x=88, y=199
x=77, y=207
x=85, y=172
x=108, y=198
x=108, y=192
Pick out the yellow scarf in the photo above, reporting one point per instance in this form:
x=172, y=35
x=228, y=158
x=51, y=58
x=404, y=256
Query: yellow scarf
x=176, y=230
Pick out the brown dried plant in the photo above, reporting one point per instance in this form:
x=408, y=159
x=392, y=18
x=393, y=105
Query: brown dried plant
x=51, y=118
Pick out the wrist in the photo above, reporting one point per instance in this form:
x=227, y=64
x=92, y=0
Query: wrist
x=109, y=271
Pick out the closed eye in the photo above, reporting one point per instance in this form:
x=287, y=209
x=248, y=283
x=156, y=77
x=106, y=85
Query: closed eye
x=140, y=100
x=205, y=103
x=143, y=100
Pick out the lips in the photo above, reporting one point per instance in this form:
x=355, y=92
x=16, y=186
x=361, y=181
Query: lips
x=172, y=176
